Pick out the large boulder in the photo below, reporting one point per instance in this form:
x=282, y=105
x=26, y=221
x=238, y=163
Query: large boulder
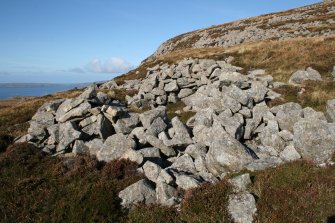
x=149, y=116
x=67, y=135
x=314, y=139
x=301, y=76
x=225, y=153
x=115, y=146
x=181, y=135
x=139, y=192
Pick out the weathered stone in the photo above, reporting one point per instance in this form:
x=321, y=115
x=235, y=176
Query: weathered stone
x=94, y=146
x=166, y=195
x=289, y=154
x=301, y=76
x=181, y=134
x=186, y=182
x=172, y=98
x=156, y=127
x=68, y=105
x=286, y=120
x=89, y=93
x=240, y=183
x=126, y=123
x=196, y=151
x=287, y=107
x=225, y=152
x=161, y=100
x=330, y=110
x=139, y=192
x=79, y=111
x=314, y=139
x=258, y=91
x=133, y=156
x=237, y=94
x=264, y=163
x=79, y=148
x=44, y=119
x=87, y=121
x=185, y=92
x=139, y=133
x=242, y=208
x=233, y=127
x=184, y=164
x=149, y=116
x=53, y=131
x=286, y=135
x=67, y=135
x=149, y=83
x=115, y=146
x=155, y=142
x=310, y=113
x=270, y=136
x=171, y=87
x=152, y=171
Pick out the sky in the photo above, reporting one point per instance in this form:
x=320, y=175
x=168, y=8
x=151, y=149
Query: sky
x=77, y=41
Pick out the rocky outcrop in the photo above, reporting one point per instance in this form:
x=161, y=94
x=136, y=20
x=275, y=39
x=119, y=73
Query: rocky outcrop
x=300, y=22
x=233, y=129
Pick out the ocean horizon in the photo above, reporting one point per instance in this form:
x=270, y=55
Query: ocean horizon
x=8, y=91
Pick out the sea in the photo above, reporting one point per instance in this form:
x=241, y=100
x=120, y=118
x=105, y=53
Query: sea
x=7, y=92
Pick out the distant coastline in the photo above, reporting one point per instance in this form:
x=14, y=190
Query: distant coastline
x=14, y=90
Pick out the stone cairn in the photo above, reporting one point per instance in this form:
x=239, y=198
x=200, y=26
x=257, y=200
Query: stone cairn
x=232, y=130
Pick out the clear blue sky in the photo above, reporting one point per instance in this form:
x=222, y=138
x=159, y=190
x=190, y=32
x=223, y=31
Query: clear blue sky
x=69, y=41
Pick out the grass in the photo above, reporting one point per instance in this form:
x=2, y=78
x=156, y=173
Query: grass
x=40, y=188
x=295, y=192
x=206, y=203
x=171, y=109
x=316, y=94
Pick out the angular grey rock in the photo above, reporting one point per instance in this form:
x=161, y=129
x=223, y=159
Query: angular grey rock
x=89, y=93
x=37, y=131
x=286, y=120
x=314, y=139
x=115, y=146
x=289, y=154
x=79, y=148
x=287, y=107
x=225, y=153
x=186, y=182
x=149, y=83
x=158, y=92
x=237, y=94
x=149, y=116
x=53, y=131
x=139, y=192
x=286, y=135
x=181, y=134
x=242, y=207
x=68, y=105
x=133, y=156
x=300, y=76
x=330, y=110
x=44, y=119
x=166, y=195
x=233, y=127
x=113, y=112
x=204, y=117
x=171, y=87
x=172, y=98
x=264, y=163
x=270, y=136
x=184, y=163
x=240, y=183
x=67, y=135
x=155, y=142
x=161, y=100
x=310, y=113
x=94, y=146
x=79, y=111
x=258, y=91
x=88, y=121
x=140, y=134
x=196, y=151
x=185, y=92
x=126, y=123
x=156, y=127
x=152, y=171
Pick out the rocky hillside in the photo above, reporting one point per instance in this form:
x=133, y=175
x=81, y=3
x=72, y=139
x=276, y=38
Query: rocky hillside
x=309, y=21
x=211, y=128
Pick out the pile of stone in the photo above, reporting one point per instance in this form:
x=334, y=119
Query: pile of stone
x=232, y=130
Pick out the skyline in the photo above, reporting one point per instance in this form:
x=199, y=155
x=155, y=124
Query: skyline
x=76, y=41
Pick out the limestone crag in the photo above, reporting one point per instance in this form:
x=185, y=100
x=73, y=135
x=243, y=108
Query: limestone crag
x=233, y=129
x=309, y=21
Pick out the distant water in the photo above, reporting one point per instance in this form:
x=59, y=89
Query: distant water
x=8, y=92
